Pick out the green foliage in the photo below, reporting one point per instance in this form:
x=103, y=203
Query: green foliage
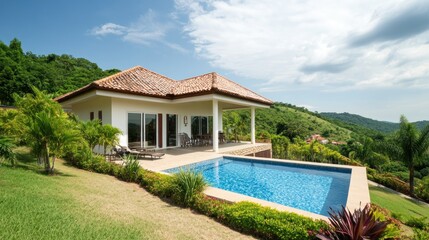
x=45, y=127
x=268, y=223
x=390, y=181
x=281, y=119
x=210, y=206
x=279, y=145
x=362, y=124
x=188, y=186
x=53, y=73
x=6, y=149
x=409, y=146
x=420, y=223
x=130, y=169
x=392, y=230
x=422, y=189
x=156, y=183
x=420, y=234
x=316, y=152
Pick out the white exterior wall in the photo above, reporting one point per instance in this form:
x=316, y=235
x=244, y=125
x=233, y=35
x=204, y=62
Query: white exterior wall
x=121, y=108
x=95, y=104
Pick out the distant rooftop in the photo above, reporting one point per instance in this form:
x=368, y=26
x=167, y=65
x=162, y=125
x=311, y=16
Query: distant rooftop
x=141, y=81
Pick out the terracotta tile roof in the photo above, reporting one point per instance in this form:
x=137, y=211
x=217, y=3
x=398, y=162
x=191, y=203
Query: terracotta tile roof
x=141, y=81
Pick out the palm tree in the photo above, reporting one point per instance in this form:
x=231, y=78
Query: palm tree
x=108, y=136
x=410, y=146
x=91, y=132
x=49, y=134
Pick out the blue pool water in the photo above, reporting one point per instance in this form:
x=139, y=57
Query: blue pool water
x=311, y=188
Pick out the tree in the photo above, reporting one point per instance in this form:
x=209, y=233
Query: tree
x=409, y=146
x=45, y=127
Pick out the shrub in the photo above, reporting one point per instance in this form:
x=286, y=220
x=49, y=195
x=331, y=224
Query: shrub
x=6, y=146
x=188, y=185
x=156, y=183
x=420, y=234
x=390, y=181
x=210, y=206
x=393, y=230
x=422, y=189
x=419, y=223
x=269, y=223
x=130, y=169
x=361, y=224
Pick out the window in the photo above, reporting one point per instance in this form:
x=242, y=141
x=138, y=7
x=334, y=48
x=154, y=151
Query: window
x=142, y=130
x=100, y=116
x=91, y=116
x=171, y=130
x=201, y=125
x=150, y=130
x=134, y=130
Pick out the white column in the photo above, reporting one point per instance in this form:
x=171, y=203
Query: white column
x=220, y=120
x=252, y=124
x=215, y=125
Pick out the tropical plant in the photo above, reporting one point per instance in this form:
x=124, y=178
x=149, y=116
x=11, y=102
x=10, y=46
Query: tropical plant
x=108, y=136
x=130, y=169
x=188, y=185
x=6, y=146
x=361, y=224
x=45, y=127
x=91, y=131
x=409, y=146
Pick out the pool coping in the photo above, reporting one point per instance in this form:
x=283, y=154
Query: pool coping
x=358, y=195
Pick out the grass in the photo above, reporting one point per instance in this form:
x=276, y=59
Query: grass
x=398, y=205
x=75, y=204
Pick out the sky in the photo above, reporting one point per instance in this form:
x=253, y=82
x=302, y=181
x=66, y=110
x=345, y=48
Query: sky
x=363, y=56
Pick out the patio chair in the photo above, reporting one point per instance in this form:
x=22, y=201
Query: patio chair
x=185, y=140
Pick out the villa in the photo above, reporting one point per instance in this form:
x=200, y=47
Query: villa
x=151, y=109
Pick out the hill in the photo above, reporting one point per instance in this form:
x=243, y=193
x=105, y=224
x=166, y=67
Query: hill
x=57, y=74
x=291, y=121
x=381, y=126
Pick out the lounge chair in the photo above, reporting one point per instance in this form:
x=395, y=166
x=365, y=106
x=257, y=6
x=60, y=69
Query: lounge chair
x=125, y=150
x=142, y=152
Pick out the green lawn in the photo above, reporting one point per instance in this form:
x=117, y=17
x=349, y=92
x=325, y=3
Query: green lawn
x=403, y=207
x=76, y=204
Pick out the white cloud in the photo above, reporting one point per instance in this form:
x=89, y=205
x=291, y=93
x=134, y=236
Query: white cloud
x=109, y=28
x=337, y=45
x=145, y=30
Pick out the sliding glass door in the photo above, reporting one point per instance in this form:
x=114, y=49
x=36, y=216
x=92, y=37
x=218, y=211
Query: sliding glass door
x=150, y=130
x=171, y=130
x=134, y=130
x=142, y=130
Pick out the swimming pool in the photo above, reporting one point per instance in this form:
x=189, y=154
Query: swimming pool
x=307, y=187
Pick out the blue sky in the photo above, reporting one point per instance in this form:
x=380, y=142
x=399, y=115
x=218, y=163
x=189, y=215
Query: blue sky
x=366, y=57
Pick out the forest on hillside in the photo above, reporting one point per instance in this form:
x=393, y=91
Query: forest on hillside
x=57, y=74
x=381, y=126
